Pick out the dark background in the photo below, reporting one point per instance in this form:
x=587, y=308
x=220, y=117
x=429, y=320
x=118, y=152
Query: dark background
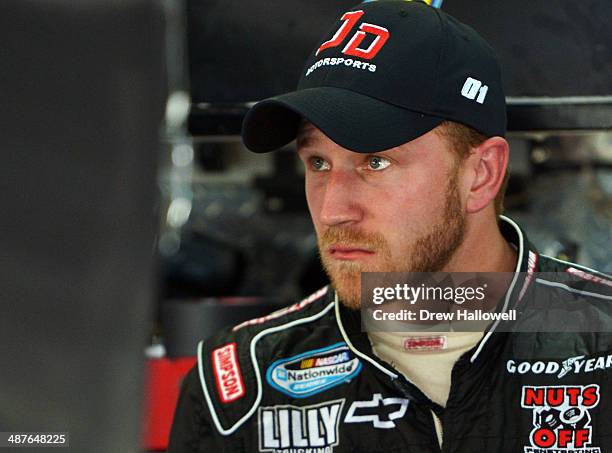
x=245, y=51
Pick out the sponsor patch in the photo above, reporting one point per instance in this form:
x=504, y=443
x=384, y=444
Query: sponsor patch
x=283, y=311
x=571, y=365
x=314, y=371
x=227, y=373
x=379, y=411
x=289, y=429
x=425, y=343
x=561, y=418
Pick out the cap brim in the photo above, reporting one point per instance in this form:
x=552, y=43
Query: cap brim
x=354, y=121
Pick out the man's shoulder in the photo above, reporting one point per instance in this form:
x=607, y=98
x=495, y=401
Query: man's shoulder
x=231, y=365
x=569, y=297
x=573, y=279
x=311, y=309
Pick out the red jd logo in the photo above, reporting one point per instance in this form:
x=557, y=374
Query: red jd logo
x=349, y=19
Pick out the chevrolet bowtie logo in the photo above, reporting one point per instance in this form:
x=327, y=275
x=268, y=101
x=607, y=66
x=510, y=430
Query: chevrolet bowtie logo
x=379, y=411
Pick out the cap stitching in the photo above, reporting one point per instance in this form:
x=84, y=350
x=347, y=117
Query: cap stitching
x=443, y=44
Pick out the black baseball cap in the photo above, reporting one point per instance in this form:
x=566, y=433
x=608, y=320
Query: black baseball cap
x=386, y=73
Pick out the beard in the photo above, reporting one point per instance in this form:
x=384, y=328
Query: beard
x=429, y=252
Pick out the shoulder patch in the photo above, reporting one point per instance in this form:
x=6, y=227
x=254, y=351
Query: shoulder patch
x=283, y=311
x=229, y=368
x=314, y=371
x=228, y=376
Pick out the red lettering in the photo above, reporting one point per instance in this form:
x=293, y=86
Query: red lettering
x=533, y=396
x=555, y=396
x=573, y=393
x=564, y=437
x=544, y=438
x=590, y=396
x=582, y=437
x=352, y=48
x=350, y=19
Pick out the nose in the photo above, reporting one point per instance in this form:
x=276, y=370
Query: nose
x=340, y=203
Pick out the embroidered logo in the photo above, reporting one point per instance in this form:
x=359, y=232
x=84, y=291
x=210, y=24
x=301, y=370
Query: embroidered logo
x=425, y=343
x=288, y=428
x=379, y=411
x=561, y=418
x=313, y=371
x=474, y=90
x=350, y=19
x=227, y=373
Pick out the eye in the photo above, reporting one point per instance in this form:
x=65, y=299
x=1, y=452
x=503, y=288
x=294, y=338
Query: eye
x=377, y=163
x=319, y=164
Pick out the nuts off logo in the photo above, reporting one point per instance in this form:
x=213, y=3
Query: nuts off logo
x=561, y=418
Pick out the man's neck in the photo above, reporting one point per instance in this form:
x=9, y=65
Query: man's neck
x=484, y=249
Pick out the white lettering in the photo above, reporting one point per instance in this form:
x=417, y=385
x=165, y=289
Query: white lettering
x=552, y=367
x=314, y=436
x=470, y=88
x=415, y=293
x=329, y=415
x=269, y=440
x=431, y=316
x=482, y=93
x=296, y=425
x=523, y=368
x=511, y=366
x=283, y=418
x=283, y=428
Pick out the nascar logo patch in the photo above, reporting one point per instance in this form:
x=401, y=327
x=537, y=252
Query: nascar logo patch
x=313, y=371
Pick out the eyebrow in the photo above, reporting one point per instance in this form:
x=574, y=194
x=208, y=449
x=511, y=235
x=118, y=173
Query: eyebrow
x=304, y=137
x=304, y=140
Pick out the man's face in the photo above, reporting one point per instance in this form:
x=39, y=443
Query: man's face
x=394, y=211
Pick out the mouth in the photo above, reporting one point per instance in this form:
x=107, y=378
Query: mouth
x=344, y=252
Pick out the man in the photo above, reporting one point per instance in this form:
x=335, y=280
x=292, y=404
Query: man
x=399, y=118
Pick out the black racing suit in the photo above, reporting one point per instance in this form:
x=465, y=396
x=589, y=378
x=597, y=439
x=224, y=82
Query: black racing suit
x=304, y=379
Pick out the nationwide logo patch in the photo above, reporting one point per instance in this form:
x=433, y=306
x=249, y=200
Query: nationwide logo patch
x=561, y=418
x=293, y=429
x=313, y=371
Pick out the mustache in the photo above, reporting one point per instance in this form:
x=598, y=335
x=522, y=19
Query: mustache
x=351, y=237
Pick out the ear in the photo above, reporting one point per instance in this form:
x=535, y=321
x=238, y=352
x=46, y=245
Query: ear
x=488, y=163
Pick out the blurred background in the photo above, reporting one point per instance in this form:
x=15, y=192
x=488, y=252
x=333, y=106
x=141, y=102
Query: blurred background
x=137, y=221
